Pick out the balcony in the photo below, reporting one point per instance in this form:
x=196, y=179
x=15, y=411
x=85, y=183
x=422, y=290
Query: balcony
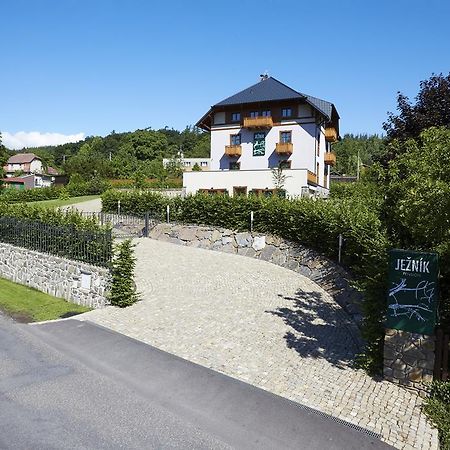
x=312, y=178
x=330, y=158
x=233, y=150
x=258, y=122
x=331, y=134
x=284, y=148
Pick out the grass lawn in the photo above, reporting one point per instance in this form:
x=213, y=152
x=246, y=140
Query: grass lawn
x=29, y=305
x=56, y=203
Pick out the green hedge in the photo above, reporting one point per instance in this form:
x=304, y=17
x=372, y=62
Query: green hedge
x=29, y=195
x=93, y=187
x=50, y=216
x=314, y=223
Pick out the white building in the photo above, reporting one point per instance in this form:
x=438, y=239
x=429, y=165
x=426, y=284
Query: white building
x=188, y=164
x=262, y=128
x=27, y=163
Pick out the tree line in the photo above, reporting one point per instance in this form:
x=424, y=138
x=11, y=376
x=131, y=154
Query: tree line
x=124, y=155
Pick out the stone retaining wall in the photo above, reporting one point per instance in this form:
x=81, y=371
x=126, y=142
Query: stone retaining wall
x=74, y=281
x=408, y=358
x=330, y=276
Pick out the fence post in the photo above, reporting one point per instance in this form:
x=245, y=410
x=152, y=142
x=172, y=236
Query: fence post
x=341, y=241
x=168, y=213
x=146, y=225
x=251, y=221
x=101, y=218
x=118, y=207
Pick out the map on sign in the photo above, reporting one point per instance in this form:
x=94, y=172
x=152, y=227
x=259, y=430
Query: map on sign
x=259, y=144
x=413, y=293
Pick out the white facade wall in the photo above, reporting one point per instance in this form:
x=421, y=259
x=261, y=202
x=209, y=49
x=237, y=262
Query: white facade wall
x=36, y=166
x=296, y=179
x=303, y=140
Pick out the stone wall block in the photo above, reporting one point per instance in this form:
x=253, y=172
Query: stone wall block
x=52, y=274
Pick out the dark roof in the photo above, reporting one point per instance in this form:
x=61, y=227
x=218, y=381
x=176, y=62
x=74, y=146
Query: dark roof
x=265, y=91
x=22, y=158
x=270, y=89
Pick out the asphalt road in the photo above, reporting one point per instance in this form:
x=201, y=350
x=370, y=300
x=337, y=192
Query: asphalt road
x=72, y=384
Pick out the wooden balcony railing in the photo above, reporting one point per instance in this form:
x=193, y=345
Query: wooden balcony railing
x=258, y=122
x=284, y=148
x=312, y=177
x=233, y=150
x=330, y=158
x=331, y=134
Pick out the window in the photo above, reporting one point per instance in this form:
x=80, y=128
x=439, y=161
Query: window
x=203, y=163
x=239, y=190
x=285, y=164
x=234, y=165
x=235, y=117
x=318, y=143
x=286, y=112
x=266, y=113
x=254, y=114
x=186, y=163
x=235, y=139
x=285, y=137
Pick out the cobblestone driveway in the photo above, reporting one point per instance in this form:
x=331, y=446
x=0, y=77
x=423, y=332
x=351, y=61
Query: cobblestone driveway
x=264, y=325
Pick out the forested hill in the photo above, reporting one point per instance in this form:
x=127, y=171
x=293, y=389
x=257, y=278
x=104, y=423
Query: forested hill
x=121, y=155
x=370, y=149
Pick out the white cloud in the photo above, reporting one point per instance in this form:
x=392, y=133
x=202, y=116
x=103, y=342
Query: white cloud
x=17, y=141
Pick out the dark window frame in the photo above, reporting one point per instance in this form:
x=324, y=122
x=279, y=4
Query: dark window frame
x=286, y=132
x=283, y=115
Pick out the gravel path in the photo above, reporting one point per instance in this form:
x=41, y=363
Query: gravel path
x=88, y=206
x=265, y=325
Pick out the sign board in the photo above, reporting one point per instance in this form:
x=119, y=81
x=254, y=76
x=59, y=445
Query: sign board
x=259, y=144
x=413, y=291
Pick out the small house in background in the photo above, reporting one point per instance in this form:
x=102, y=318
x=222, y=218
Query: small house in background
x=35, y=180
x=27, y=163
x=266, y=139
x=188, y=164
x=33, y=174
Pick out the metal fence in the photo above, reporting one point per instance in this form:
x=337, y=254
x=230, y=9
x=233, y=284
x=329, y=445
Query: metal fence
x=124, y=225
x=93, y=247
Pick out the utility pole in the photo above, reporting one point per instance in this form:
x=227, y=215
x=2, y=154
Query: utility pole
x=357, y=167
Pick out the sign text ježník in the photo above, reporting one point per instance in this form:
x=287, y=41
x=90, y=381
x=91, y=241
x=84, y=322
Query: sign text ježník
x=413, y=291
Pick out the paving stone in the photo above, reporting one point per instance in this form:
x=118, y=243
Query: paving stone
x=265, y=325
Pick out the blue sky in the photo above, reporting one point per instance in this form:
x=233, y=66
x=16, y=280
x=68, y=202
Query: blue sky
x=79, y=66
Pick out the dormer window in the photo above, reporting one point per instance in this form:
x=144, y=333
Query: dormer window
x=236, y=117
x=286, y=112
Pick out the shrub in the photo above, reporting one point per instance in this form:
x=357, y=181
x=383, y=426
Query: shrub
x=29, y=195
x=437, y=408
x=123, y=291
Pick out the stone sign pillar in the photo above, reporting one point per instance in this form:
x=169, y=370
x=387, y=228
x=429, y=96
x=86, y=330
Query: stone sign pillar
x=408, y=358
x=412, y=302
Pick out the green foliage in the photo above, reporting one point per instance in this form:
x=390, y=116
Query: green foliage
x=417, y=207
x=432, y=109
x=78, y=186
x=369, y=149
x=32, y=305
x=196, y=168
x=120, y=155
x=29, y=195
x=123, y=291
x=437, y=408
